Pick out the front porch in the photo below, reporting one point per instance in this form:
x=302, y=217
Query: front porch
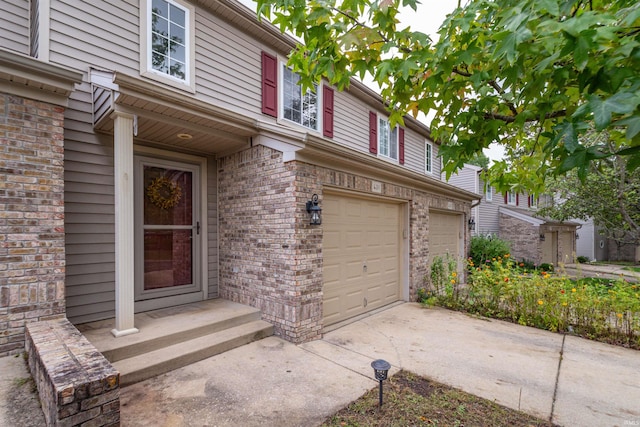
x=174, y=337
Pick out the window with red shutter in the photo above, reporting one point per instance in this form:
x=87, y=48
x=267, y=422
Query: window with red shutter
x=401, y=146
x=373, y=132
x=327, y=107
x=269, y=85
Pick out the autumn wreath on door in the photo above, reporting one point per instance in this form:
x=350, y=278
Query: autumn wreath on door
x=164, y=193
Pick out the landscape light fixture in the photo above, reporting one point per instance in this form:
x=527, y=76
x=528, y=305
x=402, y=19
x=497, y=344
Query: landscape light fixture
x=472, y=224
x=314, y=210
x=380, y=368
x=542, y=237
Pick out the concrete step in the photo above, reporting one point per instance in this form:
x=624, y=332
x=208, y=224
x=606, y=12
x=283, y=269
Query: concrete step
x=165, y=327
x=159, y=361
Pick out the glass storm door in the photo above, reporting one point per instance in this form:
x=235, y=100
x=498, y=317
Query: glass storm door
x=167, y=230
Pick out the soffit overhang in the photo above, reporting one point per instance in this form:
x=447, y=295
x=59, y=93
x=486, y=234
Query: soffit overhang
x=31, y=78
x=162, y=114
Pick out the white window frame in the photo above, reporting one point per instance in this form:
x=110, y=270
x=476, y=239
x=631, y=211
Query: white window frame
x=511, y=198
x=489, y=194
x=428, y=157
x=533, y=201
x=146, y=64
x=282, y=65
x=384, y=121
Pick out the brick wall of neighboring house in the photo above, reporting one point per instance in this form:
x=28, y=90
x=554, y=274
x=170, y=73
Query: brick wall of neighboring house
x=617, y=252
x=32, y=254
x=524, y=238
x=271, y=258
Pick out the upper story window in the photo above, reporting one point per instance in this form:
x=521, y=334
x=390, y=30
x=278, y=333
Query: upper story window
x=167, y=53
x=387, y=139
x=428, y=157
x=298, y=106
x=489, y=193
x=512, y=198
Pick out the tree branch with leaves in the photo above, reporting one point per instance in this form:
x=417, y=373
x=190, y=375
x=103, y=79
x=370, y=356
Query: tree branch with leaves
x=533, y=76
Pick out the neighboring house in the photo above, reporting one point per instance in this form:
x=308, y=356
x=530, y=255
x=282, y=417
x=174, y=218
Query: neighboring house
x=159, y=152
x=512, y=217
x=596, y=246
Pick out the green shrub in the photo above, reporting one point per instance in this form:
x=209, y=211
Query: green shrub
x=546, y=267
x=604, y=310
x=582, y=259
x=485, y=249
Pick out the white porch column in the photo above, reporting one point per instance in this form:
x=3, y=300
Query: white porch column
x=123, y=180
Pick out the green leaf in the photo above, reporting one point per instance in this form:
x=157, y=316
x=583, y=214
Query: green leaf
x=621, y=103
x=633, y=126
x=581, y=53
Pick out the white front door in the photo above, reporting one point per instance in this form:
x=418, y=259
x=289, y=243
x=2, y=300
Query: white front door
x=167, y=233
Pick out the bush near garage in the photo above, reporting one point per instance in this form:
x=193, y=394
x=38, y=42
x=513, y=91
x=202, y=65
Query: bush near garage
x=599, y=309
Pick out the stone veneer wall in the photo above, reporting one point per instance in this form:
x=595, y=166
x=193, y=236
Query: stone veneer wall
x=524, y=238
x=271, y=258
x=32, y=254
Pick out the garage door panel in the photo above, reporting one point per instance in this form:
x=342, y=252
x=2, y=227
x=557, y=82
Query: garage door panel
x=444, y=234
x=359, y=233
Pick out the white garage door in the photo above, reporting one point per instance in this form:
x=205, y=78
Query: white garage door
x=361, y=251
x=444, y=235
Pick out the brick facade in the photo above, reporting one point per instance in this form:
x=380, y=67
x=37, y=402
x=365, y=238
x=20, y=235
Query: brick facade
x=524, y=238
x=271, y=258
x=32, y=254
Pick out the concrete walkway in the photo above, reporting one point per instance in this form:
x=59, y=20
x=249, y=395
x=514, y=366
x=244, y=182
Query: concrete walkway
x=275, y=383
x=605, y=271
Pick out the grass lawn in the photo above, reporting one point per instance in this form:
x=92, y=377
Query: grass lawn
x=411, y=400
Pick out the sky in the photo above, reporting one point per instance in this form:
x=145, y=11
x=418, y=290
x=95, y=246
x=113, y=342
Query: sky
x=428, y=18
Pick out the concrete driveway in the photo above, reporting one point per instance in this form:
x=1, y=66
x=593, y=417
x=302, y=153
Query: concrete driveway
x=275, y=383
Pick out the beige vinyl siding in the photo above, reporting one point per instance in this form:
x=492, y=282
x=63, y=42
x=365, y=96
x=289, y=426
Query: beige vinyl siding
x=489, y=217
x=100, y=34
x=465, y=178
x=350, y=122
x=14, y=31
x=351, y=129
x=228, y=66
x=89, y=216
x=414, y=154
x=212, y=227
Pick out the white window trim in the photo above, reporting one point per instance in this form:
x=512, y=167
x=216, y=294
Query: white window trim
x=511, y=198
x=489, y=194
x=378, y=134
x=533, y=201
x=428, y=165
x=146, y=69
x=319, y=91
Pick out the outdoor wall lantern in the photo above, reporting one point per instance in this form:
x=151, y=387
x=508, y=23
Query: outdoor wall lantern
x=472, y=224
x=380, y=368
x=542, y=237
x=314, y=210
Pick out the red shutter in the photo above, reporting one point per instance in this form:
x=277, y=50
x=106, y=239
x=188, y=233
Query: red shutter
x=327, y=106
x=401, y=145
x=506, y=198
x=529, y=201
x=517, y=198
x=269, y=85
x=373, y=132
